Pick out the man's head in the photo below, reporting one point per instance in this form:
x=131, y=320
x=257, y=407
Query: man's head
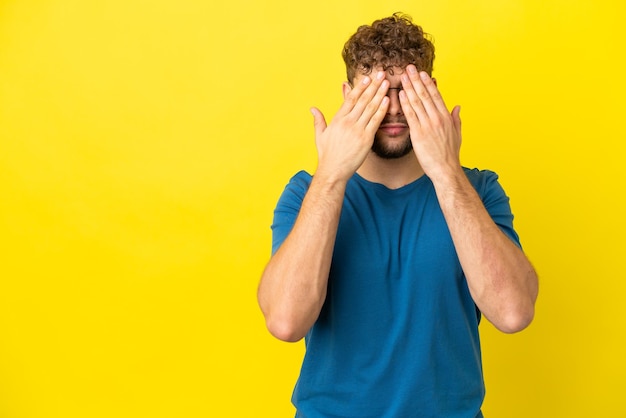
x=390, y=42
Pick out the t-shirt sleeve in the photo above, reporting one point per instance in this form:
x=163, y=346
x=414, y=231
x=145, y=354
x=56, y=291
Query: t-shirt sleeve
x=495, y=200
x=288, y=207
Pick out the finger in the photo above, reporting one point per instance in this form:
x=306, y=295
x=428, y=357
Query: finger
x=456, y=118
x=433, y=91
x=413, y=101
x=421, y=92
x=372, y=106
x=319, y=122
x=369, y=94
x=409, y=112
x=359, y=92
x=353, y=96
x=373, y=123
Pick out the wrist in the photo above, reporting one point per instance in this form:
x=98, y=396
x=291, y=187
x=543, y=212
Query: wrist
x=448, y=177
x=446, y=172
x=331, y=178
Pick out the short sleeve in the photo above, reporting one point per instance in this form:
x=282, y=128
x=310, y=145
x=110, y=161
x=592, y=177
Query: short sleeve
x=288, y=207
x=495, y=200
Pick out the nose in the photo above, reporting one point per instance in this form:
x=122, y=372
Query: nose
x=394, y=101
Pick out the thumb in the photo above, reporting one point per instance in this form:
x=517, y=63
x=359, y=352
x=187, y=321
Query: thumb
x=319, y=122
x=456, y=117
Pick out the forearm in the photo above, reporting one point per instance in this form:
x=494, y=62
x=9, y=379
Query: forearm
x=500, y=278
x=293, y=286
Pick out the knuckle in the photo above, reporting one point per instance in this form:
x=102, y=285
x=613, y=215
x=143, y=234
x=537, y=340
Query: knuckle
x=372, y=107
x=424, y=95
x=437, y=122
x=350, y=100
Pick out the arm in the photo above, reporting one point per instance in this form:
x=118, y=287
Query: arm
x=293, y=286
x=500, y=278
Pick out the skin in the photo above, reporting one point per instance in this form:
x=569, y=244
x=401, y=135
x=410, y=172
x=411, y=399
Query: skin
x=293, y=286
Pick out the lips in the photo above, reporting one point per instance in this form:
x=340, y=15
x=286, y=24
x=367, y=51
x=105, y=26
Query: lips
x=393, y=129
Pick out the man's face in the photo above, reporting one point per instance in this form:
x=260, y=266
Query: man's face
x=392, y=138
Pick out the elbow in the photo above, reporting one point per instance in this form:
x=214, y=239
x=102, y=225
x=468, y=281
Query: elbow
x=281, y=323
x=284, y=330
x=519, y=312
x=516, y=320
x=514, y=325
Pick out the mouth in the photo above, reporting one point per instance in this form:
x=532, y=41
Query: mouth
x=393, y=129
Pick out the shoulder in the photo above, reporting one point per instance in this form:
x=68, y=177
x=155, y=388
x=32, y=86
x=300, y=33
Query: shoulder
x=480, y=178
x=301, y=179
x=484, y=181
x=295, y=190
x=487, y=185
x=298, y=184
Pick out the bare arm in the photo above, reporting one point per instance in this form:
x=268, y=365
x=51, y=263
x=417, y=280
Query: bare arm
x=293, y=286
x=501, y=280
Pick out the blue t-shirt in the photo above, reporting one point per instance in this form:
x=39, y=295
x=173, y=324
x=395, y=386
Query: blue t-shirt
x=398, y=333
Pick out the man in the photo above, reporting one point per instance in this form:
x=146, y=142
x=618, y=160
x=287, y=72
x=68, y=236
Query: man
x=386, y=259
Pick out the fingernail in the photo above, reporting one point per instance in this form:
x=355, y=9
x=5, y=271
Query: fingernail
x=424, y=75
x=380, y=75
x=412, y=69
x=366, y=80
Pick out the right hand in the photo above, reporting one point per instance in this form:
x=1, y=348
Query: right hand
x=344, y=144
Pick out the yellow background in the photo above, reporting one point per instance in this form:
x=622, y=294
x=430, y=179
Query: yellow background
x=143, y=145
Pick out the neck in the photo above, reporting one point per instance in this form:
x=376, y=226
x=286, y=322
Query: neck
x=392, y=173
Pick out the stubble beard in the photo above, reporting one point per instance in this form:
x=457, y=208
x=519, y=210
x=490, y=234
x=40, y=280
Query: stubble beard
x=387, y=151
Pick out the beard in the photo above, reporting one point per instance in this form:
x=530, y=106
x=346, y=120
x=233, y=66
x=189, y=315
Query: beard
x=389, y=151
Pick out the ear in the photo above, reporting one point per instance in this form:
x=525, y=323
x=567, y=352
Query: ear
x=346, y=89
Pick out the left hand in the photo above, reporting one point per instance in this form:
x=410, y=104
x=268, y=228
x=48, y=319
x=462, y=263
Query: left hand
x=435, y=132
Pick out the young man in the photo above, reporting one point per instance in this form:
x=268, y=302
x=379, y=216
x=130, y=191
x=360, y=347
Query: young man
x=387, y=257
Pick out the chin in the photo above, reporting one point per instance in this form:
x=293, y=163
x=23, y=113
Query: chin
x=390, y=150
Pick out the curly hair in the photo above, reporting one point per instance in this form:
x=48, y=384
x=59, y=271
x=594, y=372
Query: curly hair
x=394, y=41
